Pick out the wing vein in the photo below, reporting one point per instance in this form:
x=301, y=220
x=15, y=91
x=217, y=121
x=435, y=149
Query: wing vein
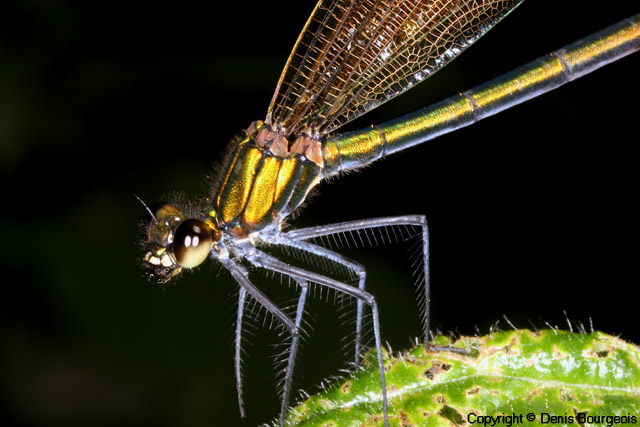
x=353, y=55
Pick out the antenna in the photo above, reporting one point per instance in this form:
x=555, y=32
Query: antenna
x=147, y=208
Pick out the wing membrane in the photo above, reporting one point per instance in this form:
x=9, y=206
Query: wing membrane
x=354, y=55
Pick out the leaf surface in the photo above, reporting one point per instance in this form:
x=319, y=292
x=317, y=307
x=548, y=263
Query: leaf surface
x=580, y=378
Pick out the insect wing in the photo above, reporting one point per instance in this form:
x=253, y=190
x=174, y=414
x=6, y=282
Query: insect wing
x=353, y=55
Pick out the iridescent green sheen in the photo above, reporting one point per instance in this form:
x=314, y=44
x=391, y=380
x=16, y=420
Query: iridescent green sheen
x=356, y=149
x=310, y=175
x=257, y=212
x=261, y=186
x=288, y=178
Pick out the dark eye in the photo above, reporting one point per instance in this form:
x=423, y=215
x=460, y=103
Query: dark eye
x=192, y=243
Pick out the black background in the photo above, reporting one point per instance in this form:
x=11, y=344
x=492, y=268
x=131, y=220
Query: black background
x=531, y=212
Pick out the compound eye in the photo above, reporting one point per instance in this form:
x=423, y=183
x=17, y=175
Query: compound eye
x=192, y=243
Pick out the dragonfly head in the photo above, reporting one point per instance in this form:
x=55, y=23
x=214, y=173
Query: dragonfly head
x=175, y=240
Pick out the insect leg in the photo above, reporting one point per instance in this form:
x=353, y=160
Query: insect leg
x=352, y=265
x=242, y=296
x=293, y=350
x=240, y=274
x=410, y=220
x=263, y=260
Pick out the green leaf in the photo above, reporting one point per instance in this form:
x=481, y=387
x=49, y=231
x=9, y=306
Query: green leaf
x=580, y=378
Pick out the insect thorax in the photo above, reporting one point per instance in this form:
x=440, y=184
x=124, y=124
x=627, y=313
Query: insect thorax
x=267, y=179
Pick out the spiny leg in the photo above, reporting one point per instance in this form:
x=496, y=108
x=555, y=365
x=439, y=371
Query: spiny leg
x=263, y=260
x=344, y=227
x=348, y=263
x=293, y=350
x=240, y=274
x=242, y=296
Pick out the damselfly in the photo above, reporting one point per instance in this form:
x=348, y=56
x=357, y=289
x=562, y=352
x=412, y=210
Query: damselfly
x=351, y=57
